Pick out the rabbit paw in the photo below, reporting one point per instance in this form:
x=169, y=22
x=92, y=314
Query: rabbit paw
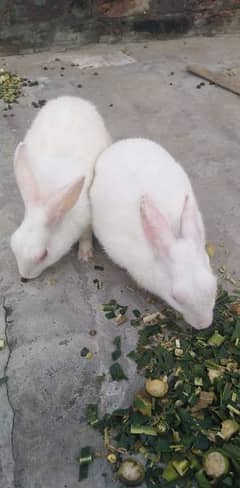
x=85, y=251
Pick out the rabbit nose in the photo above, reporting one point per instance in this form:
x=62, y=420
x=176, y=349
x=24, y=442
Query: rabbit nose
x=204, y=324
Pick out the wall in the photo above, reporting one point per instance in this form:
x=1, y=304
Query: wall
x=38, y=24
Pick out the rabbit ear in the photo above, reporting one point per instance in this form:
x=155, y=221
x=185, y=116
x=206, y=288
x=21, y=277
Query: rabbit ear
x=155, y=226
x=191, y=222
x=58, y=205
x=25, y=179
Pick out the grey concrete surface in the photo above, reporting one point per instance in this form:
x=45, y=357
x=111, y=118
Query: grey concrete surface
x=42, y=422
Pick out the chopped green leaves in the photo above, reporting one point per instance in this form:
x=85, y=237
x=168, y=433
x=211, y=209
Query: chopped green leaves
x=188, y=431
x=117, y=353
x=216, y=339
x=117, y=372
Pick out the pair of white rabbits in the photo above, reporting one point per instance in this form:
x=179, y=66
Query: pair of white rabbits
x=136, y=197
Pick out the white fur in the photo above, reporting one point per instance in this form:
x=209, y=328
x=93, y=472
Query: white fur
x=59, y=150
x=146, y=217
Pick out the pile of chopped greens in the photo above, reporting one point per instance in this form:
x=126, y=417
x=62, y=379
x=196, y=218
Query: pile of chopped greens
x=184, y=426
x=10, y=86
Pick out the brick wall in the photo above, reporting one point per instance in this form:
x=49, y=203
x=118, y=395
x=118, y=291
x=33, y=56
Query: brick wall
x=37, y=24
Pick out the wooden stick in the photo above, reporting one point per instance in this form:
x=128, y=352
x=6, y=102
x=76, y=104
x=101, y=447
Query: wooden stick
x=229, y=83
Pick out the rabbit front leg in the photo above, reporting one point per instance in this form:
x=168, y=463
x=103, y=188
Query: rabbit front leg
x=85, y=249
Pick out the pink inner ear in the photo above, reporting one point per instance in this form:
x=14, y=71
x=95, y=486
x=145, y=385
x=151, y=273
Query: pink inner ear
x=64, y=200
x=155, y=226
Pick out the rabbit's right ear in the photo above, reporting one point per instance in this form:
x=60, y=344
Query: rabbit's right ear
x=24, y=176
x=156, y=228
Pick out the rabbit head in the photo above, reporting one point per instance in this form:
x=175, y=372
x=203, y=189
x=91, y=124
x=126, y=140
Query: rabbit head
x=186, y=280
x=32, y=242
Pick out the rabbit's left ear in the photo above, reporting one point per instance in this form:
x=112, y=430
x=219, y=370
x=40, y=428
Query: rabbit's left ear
x=191, y=224
x=25, y=179
x=65, y=199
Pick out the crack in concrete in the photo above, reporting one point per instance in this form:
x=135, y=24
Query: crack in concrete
x=7, y=311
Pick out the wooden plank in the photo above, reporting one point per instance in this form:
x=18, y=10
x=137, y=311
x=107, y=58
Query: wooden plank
x=230, y=83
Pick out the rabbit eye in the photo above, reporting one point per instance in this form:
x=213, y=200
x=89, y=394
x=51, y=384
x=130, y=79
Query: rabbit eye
x=43, y=256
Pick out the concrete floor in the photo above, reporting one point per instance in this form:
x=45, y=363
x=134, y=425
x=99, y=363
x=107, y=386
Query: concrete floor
x=42, y=422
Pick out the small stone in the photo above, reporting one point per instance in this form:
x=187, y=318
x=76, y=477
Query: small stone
x=92, y=332
x=84, y=352
x=79, y=86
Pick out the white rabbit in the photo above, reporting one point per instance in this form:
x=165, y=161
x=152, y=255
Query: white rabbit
x=54, y=167
x=146, y=217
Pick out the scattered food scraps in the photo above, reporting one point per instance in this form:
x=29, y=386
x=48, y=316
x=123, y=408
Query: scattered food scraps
x=52, y=281
x=152, y=318
x=3, y=380
x=121, y=319
x=39, y=103
x=211, y=250
x=86, y=458
x=118, y=352
x=98, y=267
x=92, y=413
x=98, y=283
x=115, y=310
